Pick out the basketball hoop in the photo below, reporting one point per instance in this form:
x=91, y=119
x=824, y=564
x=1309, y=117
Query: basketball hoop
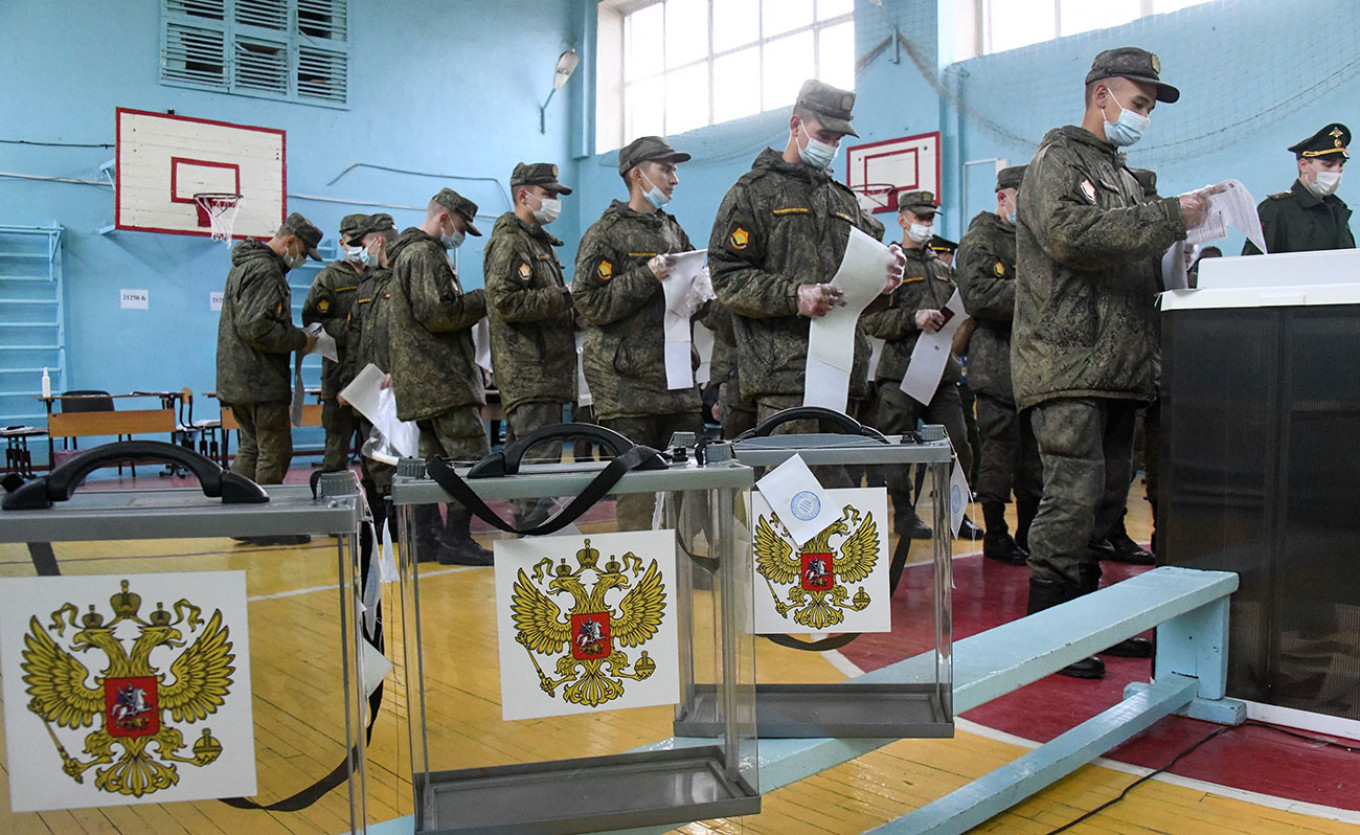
x=876, y=197
x=218, y=213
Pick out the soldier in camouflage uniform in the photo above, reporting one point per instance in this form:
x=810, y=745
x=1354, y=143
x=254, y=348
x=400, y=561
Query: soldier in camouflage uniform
x=913, y=308
x=1310, y=216
x=778, y=237
x=435, y=377
x=255, y=338
x=533, y=325
x=329, y=302
x=619, y=269
x=986, y=279
x=1085, y=337
x=366, y=338
x=735, y=413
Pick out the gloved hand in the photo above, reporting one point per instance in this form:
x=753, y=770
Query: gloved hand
x=660, y=265
x=816, y=300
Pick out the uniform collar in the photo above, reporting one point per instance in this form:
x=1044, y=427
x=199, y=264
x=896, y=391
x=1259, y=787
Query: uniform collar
x=773, y=160
x=533, y=230
x=1306, y=198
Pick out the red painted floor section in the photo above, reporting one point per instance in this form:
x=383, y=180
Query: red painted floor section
x=987, y=594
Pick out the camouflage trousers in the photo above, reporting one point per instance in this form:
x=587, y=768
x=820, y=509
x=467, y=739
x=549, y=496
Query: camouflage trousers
x=339, y=423
x=1010, y=456
x=770, y=405
x=898, y=412
x=1086, y=445
x=520, y=420
x=266, y=447
x=737, y=415
x=457, y=434
x=1152, y=452
x=634, y=510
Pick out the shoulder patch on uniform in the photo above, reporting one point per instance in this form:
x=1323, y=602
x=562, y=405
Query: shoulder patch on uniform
x=739, y=238
x=1280, y=195
x=793, y=210
x=1088, y=191
x=605, y=270
x=323, y=305
x=525, y=272
x=999, y=269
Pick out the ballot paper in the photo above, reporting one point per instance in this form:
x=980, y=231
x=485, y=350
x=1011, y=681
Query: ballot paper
x=960, y=495
x=931, y=353
x=325, y=343
x=481, y=343
x=583, y=397
x=368, y=397
x=1230, y=204
x=875, y=355
x=795, y=495
x=299, y=393
x=703, y=343
x=681, y=303
x=831, y=338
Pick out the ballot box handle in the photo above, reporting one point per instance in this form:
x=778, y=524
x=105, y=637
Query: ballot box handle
x=847, y=424
x=60, y=484
x=506, y=461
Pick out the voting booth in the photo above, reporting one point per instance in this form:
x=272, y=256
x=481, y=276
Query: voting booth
x=1260, y=411
x=821, y=594
x=151, y=663
x=542, y=692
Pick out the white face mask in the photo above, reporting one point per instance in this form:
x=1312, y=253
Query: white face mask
x=920, y=232
x=816, y=153
x=355, y=255
x=1128, y=129
x=1325, y=183
x=548, y=210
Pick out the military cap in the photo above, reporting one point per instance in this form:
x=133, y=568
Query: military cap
x=645, y=149
x=1136, y=65
x=917, y=202
x=305, y=230
x=831, y=104
x=537, y=174
x=353, y=227
x=1010, y=177
x=459, y=205
x=1332, y=139
x=1147, y=179
x=381, y=222
x=940, y=244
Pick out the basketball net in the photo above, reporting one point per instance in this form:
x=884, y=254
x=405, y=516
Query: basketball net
x=218, y=213
x=875, y=197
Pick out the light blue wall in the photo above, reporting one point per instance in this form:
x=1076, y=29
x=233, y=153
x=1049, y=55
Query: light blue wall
x=443, y=86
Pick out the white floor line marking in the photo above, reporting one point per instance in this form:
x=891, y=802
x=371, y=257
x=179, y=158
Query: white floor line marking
x=314, y=589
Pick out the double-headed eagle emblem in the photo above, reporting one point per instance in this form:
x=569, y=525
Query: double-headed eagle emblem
x=814, y=594
x=129, y=696
x=592, y=670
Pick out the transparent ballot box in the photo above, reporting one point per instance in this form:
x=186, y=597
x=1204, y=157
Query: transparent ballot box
x=542, y=691
x=161, y=676
x=858, y=589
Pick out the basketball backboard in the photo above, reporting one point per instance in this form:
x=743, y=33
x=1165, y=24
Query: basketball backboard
x=164, y=160
x=877, y=171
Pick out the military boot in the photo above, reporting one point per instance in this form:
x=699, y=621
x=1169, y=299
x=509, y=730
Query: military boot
x=1134, y=647
x=905, y=521
x=997, y=544
x=1045, y=594
x=1118, y=546
x=427, y=524
x=968, y=529
x=1025, y=509
x=459, y=548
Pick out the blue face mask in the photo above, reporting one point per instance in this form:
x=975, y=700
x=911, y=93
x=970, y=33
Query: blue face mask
x=654, y=195
x=453, y=241
x=356, y=255
x=1128, y=130
x=816, y=153
x=366, y=258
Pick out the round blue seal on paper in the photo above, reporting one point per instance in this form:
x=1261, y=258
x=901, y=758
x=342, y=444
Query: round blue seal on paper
x=805, y=506
x=955, y=497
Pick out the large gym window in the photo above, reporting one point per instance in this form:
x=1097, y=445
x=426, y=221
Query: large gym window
x=987, y=26
x=668, y=66
x=297, y=50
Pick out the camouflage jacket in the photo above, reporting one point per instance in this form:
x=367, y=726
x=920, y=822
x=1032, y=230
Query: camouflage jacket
x=624, y=354
x=1299, y=221
x=429, y=329
x=255, y=331
x=366, y=328
x=1087, y=248
x=927, y=284
x=780, y=226
x=329, y=302
x=723, y=366
x=986, y=279
x=533, y=325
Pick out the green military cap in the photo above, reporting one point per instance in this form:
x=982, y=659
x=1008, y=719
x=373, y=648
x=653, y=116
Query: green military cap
x=831, y=104
x=1332, y=139
x=353, y=227
x=940, y=244
x=460, y=205
x=381, y=222
x=1147, y=179
x=1010, y=177
x=1136, y=65
x=918, y=202
x=537, y=174
x=305, y=230
x=645, y=149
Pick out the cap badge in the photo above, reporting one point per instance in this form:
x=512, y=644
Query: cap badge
x=740, y=238
x=606, y=270
x=928, y=197
x=525, y=272
x=554, y=171
x=1156, y=63
x=847, y=102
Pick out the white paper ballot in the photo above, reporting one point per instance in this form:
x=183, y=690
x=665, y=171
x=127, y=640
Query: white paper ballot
x=1230, y=205
x=960, y=495
x=481, y=343
x=325, y=343
x=931, y=353
x=703, y=343
x=681, y=303
x=875, y=355
x=795, y=495
x=366, y=394
x=831, y=338
x=299, y=394
x=1175, y=272
x=583, y=397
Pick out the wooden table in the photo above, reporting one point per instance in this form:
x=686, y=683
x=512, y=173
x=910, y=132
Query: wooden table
x=66, y=424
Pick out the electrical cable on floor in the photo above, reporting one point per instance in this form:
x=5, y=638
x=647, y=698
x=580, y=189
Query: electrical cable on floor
x=1102, y=807
x=1305, y=737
